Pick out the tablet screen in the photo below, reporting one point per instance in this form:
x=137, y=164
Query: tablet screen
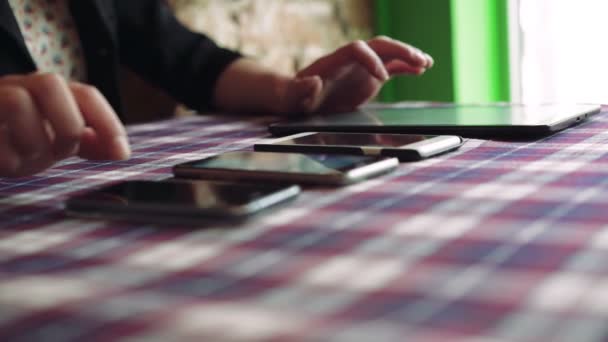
x=498, y=115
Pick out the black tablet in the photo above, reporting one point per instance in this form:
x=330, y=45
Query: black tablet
x=509, y=120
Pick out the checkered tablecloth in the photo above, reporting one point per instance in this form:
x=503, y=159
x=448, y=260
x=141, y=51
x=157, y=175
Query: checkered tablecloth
x=499, y=241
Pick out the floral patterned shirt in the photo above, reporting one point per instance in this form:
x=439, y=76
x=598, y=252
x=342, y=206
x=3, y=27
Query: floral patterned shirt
x=51, y=36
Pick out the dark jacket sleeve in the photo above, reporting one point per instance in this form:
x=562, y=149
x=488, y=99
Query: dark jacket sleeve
x=155, y=45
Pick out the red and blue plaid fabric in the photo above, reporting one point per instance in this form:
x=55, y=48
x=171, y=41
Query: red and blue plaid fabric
x=499, y=241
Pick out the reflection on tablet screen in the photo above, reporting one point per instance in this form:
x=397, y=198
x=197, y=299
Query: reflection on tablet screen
x=283, y=162
x=499, y=115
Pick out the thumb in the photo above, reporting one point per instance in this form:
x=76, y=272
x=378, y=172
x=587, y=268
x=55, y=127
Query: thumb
x=304, y=95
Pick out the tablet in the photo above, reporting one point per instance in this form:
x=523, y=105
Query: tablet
x=508, y=120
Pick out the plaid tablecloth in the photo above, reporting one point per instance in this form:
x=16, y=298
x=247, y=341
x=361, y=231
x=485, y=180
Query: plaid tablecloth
x=499, y=241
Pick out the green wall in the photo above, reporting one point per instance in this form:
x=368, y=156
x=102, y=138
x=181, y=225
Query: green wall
x=468, y=40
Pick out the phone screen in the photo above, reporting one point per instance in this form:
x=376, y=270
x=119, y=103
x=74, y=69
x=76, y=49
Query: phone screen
x=284, y=162
x=357, y=139
x=178, y=196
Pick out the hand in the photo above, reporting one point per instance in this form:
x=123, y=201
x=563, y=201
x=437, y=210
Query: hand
x=352, y=75
x=44, y=119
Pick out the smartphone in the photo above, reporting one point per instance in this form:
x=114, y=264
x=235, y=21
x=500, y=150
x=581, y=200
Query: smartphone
x=322, y=169
x=179, y=201
x=406, y=147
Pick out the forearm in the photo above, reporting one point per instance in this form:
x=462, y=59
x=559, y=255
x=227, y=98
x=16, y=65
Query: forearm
x=248, y=87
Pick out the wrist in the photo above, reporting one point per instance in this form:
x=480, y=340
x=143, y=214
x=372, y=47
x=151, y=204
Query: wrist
x=247, y=86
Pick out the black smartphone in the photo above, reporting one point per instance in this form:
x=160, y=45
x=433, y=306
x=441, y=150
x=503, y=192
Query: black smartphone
x=406, y=147
x=179, y=201
x=323, y=169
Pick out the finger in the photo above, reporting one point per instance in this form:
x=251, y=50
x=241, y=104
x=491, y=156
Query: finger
x=368, y=58
x=25, y=129
x=397, y=67
x=108, y=138
x=390, y=49
x=89, y=146
x=316, y=97
x=10, y=162
x=429, y=60
x=305, y=94
x=56, y=104
x=357, y=51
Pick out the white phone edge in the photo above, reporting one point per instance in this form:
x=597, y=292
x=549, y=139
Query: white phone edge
x=426, y=148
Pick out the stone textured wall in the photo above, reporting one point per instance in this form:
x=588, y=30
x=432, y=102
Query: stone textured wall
x=285, y=34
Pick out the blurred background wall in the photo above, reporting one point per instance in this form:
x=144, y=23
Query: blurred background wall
x=285, y=34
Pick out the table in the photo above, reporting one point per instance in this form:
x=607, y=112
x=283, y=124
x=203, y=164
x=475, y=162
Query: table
x=499, y=241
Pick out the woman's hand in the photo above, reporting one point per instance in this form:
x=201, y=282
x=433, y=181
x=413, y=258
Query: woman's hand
x=44, y=119
x=340, y=81
x=352, y=75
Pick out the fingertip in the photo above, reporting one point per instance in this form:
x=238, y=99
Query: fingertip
x=121, y=149
x=430, y=61
x=309, y=93
x=97, y=147
x=383, y=74
x=316, y=97
x=316, y=84
x=311, y=84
